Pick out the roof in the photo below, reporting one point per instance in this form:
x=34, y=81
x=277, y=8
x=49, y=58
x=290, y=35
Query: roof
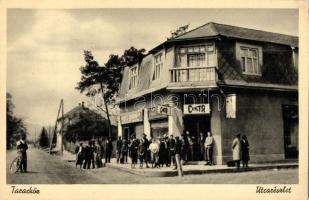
x=76, y=109
x=213, y=29
x=144, y=79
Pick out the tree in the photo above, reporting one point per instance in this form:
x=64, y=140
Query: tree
x=90, y=125
x=43, y=139
x=106, y=79
x=14, y=126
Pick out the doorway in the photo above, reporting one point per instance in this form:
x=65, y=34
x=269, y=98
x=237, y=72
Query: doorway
x=290, y=129
x=197, y=124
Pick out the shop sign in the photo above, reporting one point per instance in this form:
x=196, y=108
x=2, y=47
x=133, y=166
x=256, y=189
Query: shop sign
x=159, y=112
x=131, y=117
x=164, y=110
x=231, y=106
x=196, y=109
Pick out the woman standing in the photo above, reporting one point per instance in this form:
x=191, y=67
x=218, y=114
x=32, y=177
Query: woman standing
x=236, y=147
x=79, y=155
x=154, y=150
x=245, y=151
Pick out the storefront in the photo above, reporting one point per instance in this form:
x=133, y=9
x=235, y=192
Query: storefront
x=158, y=119
x=132, y=124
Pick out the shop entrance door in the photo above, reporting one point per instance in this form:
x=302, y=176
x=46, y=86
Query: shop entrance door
x=128, y=131
x=196, y=124
x=290, y=129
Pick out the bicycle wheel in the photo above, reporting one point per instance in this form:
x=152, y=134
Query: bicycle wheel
x=14, y=165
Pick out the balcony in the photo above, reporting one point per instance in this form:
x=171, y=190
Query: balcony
x=193, y=77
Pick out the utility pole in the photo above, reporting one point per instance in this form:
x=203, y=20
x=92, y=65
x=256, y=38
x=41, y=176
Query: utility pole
x=62, y=124
x=35, y=137
x=49, y=135
x=55, y=128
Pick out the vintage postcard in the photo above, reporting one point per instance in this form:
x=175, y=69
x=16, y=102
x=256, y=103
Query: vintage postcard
x=161, y=100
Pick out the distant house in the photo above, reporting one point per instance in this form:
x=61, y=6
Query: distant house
x=82, y=124
x=219, y=78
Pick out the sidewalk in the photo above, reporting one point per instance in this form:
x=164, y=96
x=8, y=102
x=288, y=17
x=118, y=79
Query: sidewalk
x=198, y=168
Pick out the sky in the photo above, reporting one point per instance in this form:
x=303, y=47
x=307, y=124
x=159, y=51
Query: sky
x=45, y=47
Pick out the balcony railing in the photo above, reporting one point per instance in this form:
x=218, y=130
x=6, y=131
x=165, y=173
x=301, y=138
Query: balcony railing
x=193, y=74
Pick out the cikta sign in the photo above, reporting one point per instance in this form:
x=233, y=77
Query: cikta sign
x=196, y=109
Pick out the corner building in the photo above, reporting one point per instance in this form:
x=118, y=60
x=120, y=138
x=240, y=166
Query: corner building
x=219, y=78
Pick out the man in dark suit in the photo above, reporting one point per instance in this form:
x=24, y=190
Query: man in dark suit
x=87, y=158
x=146, y=144
x=118, y=148
x=171, y=145
x=201, y=142
x=108, y=150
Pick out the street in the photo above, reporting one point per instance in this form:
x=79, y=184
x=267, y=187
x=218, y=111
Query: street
x=47, y=169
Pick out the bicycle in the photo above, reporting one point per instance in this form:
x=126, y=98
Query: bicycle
x=15, y=164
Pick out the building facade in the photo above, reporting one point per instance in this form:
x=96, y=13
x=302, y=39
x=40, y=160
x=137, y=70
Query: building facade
x=219, y=78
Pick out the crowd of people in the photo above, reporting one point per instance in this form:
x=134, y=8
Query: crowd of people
x=161, y=151
x=92, y=154
x=158, y=152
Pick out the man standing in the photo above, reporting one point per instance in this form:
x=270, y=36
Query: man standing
x=108, y=150
x=118, y=149
x=167, y=158
x=146, y=144
x=201, y=142
x=92, y=153
x=161, y=151
x=171, y=144
x=184, y=148
x=189, y=144
x=124, y=151
x=209, y=142
x=178, y=149
x=87, y=158
x=22, y=148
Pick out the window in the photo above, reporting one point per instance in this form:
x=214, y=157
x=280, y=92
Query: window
x=158, y=65
x=250, y=60
x=196, y=60
x=133, y=77
x=197, y=56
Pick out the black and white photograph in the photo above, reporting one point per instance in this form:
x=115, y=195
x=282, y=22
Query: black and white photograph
x=153, y=96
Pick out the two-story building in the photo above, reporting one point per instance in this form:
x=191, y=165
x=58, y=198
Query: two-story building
x=219, y=78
